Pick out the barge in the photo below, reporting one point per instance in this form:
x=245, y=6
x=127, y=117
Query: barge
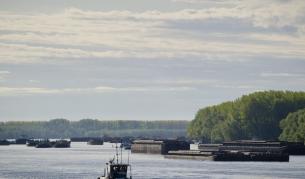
x=162, y=146
x=243, y=150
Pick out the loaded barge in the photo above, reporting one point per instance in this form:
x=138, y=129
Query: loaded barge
x=242, y=150
x=46, y=143
x=161, y=146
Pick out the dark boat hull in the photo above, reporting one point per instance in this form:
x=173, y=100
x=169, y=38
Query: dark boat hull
x=240, y=156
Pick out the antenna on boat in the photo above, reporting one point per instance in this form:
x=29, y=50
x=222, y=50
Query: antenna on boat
x=130, y=172
x=117, y=153
x=121, y=151
x=128, y=158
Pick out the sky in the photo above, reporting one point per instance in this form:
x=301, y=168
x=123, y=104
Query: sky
x=144, y=59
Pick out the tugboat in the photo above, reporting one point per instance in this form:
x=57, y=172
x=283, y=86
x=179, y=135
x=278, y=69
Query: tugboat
x=116, y=170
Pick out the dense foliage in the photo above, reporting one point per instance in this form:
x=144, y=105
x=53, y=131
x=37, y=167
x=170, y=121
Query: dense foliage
x=254, y=116
x=294, y=127
x=62, y=128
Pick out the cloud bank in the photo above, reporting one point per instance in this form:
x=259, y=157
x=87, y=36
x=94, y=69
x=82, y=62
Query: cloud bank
x=271, y=28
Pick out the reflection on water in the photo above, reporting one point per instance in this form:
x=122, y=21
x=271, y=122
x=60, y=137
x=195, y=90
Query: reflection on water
x=87, y=161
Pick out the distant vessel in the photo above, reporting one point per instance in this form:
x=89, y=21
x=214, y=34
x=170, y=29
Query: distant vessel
x=44, y=144
x=62, y=144
x=4, y=142
x=116, y=170
x=20, y=141
x=95, y=142
x=32, y=143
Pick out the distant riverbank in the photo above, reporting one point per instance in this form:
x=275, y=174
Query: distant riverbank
x=63, y=128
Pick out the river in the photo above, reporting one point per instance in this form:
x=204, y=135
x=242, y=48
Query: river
x=87, y=161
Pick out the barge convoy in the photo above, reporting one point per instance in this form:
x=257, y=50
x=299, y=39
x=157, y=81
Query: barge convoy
x=241, y=150
x=45, y=143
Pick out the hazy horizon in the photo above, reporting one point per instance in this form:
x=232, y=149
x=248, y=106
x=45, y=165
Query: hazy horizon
x=144, y=59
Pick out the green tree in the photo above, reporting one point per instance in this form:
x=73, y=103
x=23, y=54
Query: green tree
x=253, y=116
x=293, y=127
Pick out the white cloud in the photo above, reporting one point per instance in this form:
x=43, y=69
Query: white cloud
x=227, y=86
x=3, y=75
x=282, y=75
x=4, y=72
x=34, y=81
x=268, y=13
x=184, y=82
x=17, y=91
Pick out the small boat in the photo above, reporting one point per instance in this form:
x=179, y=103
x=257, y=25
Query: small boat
x=20, y=141
x=44, y=144
x=32, y=143
x=116, y=170
x=95, y=142
x=4, y=142
x=62, y=144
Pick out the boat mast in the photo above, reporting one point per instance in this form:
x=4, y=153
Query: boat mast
x=121, y=152
x=128, y=158
x=117, y=153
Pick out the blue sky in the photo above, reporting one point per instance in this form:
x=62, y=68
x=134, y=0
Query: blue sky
x=144, y=59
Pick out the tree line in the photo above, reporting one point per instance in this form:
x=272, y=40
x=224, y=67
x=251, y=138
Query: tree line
x=255, y=116
x=63, y=128
x=268, y=115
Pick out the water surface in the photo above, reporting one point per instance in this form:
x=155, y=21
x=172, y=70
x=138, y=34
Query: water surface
x=87, y=161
